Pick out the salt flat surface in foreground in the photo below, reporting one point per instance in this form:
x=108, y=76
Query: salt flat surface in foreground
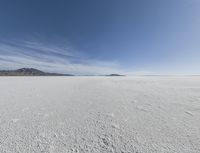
x=99, y=114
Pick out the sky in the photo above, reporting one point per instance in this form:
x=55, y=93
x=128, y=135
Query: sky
x=92, y=37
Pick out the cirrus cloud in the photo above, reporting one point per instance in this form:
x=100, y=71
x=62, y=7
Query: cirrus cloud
x=51, y=58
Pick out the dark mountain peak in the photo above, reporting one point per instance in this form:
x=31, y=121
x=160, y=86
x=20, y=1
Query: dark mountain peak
x=29, y=72
x=27, y=69
x=116, y=75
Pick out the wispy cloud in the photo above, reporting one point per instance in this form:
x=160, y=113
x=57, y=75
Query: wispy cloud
x=51, y=58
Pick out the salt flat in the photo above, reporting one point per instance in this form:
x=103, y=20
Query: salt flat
x=100, y=114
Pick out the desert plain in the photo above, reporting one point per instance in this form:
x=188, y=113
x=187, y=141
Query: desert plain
x=137, y=114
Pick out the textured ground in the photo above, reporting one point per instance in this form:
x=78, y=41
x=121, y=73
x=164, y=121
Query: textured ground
x=99, y=114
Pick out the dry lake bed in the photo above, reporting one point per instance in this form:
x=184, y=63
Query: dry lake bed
x=147, y=114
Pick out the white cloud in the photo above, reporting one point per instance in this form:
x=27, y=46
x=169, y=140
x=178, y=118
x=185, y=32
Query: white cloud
x=51, y=58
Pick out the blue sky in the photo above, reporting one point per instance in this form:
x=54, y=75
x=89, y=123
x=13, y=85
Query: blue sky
x=101, y=36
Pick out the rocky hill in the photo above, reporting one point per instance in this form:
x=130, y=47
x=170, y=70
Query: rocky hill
x=29, y=72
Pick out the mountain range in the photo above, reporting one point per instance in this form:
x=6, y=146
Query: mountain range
x=36, y=72
x=29, y=72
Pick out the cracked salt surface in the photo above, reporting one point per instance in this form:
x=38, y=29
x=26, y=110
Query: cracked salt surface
x=99, y=114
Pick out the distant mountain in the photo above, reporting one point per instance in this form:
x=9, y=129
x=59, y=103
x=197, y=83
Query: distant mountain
x=29, y=72
x=115, y=75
